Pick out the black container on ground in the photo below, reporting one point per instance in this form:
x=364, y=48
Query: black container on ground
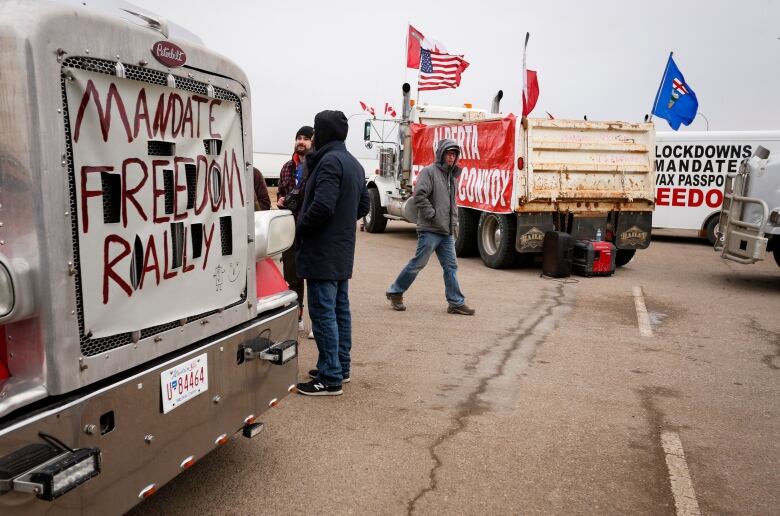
x=557, y=253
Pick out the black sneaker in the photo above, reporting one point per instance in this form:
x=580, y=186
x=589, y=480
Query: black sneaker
x=317, y=388
x=314, y=375
x=461, y=310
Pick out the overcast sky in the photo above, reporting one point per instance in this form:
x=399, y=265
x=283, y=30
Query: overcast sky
x=603, y=58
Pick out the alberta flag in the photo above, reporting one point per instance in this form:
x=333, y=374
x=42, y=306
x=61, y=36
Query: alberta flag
x=675, y=101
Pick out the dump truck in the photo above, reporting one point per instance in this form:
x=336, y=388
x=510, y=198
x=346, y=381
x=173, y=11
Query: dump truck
x=749, y=224
x=143, y=319
x=521, y=178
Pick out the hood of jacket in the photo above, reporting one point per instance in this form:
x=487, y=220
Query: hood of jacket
x=441, y=149
x=329, y=126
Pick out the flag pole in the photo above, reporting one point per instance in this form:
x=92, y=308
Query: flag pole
x=406, y=50
x=525, y=73
x=418, y=78
x=663, y=80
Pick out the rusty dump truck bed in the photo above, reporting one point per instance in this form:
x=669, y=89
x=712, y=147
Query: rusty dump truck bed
x=579, y=165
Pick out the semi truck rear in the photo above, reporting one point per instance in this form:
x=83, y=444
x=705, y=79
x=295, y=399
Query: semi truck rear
x=143, y=322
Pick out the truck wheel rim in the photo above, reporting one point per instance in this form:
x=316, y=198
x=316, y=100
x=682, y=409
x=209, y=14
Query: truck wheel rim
x=370, y=210
x=491, y=235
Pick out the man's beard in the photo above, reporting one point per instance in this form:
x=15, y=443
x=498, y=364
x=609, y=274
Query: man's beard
x=300, y=150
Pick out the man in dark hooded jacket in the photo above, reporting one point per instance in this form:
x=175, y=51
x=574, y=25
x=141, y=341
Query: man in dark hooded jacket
x=335, y=197
x=437, y=218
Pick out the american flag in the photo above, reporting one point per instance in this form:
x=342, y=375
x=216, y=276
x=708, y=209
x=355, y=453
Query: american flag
x=439, y=71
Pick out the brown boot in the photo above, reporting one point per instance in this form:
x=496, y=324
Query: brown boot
x=461, y=310
x=396, y=301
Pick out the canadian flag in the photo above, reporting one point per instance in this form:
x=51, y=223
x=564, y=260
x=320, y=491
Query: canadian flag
x=532, y=94
x=389, y=110
x=415, y=41
x=367, y=108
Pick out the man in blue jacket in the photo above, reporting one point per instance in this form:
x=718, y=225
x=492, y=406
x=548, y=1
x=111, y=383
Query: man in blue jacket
x=334, y=199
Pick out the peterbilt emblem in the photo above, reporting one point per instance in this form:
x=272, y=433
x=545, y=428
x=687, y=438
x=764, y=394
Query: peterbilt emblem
x=532, y=238
x=633, y=236
x=169, y=54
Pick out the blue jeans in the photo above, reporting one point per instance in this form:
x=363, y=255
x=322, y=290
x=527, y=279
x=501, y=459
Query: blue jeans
x=427, y=243
x=331, y=323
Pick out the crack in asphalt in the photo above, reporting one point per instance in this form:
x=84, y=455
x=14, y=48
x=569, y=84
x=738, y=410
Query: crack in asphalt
x=658, y=488
x=472, y=405
x=773, y=339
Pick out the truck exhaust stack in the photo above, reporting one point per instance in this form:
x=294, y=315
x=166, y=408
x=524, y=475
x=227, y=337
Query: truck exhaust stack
x=497, y=101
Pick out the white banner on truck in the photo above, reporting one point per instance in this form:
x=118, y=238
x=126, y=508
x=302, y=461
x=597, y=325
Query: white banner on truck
x=691, y=168
x=160, y=196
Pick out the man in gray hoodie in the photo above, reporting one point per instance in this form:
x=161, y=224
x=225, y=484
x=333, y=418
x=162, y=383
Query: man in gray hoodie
x=437, y=219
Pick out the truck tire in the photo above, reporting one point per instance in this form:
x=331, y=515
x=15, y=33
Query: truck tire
x=624, y=256
x=711, y=228
x=466, y=236
x=374, y=221
x=776, y=253
x=496, y=240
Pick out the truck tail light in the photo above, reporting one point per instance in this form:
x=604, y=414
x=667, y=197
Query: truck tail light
x=520, y=163
x=188, y=462
x=147, y=491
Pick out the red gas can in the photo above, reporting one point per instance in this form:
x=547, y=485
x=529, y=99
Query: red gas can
x=593, y=258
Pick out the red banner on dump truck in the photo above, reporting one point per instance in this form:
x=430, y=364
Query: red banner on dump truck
x=487, y=158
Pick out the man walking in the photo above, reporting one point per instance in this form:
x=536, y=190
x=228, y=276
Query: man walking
x=290, y=179
x=437, y=218
x=335, y=198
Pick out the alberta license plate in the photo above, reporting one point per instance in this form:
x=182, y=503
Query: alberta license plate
x=183, y=382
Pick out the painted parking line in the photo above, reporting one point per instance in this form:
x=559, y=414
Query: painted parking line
x=679, y=476
x=643, y=319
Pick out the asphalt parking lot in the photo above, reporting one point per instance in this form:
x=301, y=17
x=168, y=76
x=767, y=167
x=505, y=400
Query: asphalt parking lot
x=556, y=398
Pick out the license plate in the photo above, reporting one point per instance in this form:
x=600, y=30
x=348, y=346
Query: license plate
x=183, y=382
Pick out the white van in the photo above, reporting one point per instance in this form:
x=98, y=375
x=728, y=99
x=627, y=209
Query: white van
x=691, y=169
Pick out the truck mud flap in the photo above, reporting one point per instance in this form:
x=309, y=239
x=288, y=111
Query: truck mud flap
x=633, y=230
x=147, y=432
x=531, y=228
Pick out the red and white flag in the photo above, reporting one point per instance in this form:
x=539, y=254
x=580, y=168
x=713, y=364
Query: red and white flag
x=439, y=71
x=367, y=108
x=530, y=83
x=532, y=90
x=415, y=42
x=389, y=110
